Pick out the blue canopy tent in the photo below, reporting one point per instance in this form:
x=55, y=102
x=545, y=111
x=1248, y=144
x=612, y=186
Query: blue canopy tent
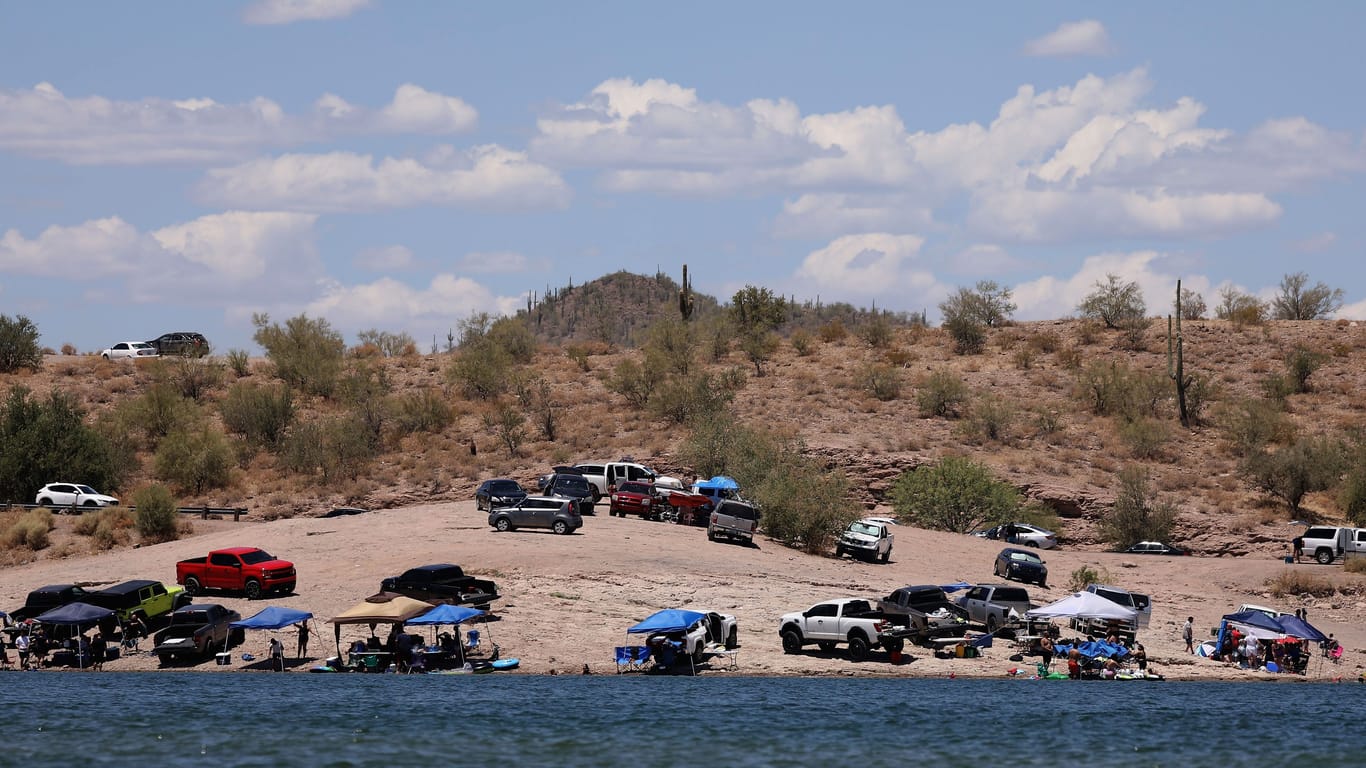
x=271, y=617
x=951, y=588
x=455, y=615
x=665, y=621
x=1296, y=627
x=79, y=616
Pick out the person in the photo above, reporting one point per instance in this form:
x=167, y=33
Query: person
x=1298, y=544
x=303, y=638
x=1111, y=668
x=1188, y=634
x=99, y=648
x=21, y=644
x=83, y=650
x=1074, y=664
x=1140, y=657
x=277, y=653
x=1329, y=645
x=133, y=632
x=1252, y=652
x=39, y=646
x=1046, y=651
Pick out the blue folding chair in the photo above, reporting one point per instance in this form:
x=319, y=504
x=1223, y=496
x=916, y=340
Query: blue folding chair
x=472, y=643
x=626, y=658
x=642, y=656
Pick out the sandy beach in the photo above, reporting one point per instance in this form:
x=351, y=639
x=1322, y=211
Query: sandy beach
x=567, y=600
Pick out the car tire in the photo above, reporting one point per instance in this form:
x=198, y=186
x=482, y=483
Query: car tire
x=991, y=624
x=839, y=552
x=502, y=524
x=90, y=503
x=698, y=653
x=1042, y=585
x=106, y=357
x=252, y=589
x=885, y=556
x=858, y=647
x=711, y=535
x=193, y=587
x=45, y=502
x=792, y=641
x=1033, y=544
x=826, y=645
x=732, y=640
x=560, y=527
x=996, y=569
x=895, y=645
x=1324, y=556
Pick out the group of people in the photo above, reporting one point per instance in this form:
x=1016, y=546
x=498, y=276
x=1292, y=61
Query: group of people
x=32, y=645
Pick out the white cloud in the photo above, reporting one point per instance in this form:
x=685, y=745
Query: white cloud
x=1315, y=243
x=1073, y=38
x=1056, y=215
x=865, y=265
x=1050, y=297
x=984, y=259
x=389, y=257
x=92, y=130
x=489, y=262
x=1353, y=311
x=289, y=11
x=388, y=303
x=830, y=215
x=485, y=177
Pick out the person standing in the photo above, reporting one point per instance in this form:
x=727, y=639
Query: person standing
x=1298, y=544
x=1188, y=634
x=303, y=638
x=1046, y=651
x=277, y=654
x=133, y=632
x=99, y=648
x=21, y=645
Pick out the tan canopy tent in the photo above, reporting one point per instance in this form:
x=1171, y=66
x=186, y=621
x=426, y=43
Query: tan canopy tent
x=379, y=609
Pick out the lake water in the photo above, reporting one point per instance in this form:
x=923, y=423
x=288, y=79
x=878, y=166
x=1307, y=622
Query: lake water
x=207, y=719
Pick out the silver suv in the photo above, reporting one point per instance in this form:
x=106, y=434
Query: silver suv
x=558, y=514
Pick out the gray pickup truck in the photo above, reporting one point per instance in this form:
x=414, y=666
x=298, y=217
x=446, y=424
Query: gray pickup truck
x=991, y=605
x=733, y=519
x=928, y=610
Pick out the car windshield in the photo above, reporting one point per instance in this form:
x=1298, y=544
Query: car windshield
x=1025, y=557
x=86, y=489
x=259, y=556
x=1010, y=595
x=505, y=486
x=867, y=529
x=574, y=483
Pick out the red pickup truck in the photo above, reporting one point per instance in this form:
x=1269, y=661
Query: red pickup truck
x=241, y=569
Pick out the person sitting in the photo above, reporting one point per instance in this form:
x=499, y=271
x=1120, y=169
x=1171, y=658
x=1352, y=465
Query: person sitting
x=373, y=643
x=1074, y=664
x=1111, y=669
x=360, y=647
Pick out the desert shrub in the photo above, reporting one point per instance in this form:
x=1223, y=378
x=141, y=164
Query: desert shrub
x=304, y=451
x=684, y=398
x=716, y=333
x=1137, y=515
x=876, y=331
x=957, y=494
x=801, y=342
x=1300, y=364
x=879, y=380
x=969, y=336
x=514, y=336
x=1296, y=302
x=1040, y=514
x=158, y=412
x=1114, y=389
x=112, y=527
x=1044, y=342
x=388, y=344
x=990, y=418
x=579, y=354
x=941, y=394
x=192, y=377
x=480, y=370
x=1086, y=575
x=1250, y=426
x=156, y=518
x=1047, y=422
x=69, y=349
x=1201, y=391
x=240, y=362
x=1292, y=583
x=1024, y=358
x=44, y=439
x=634, y=382
x=422, y=411
x=833, y=331
x=195, y=460
x=1354, y=565
x=1239, y=308
x=759, y=345
x=1113, y=302
x=900, y=358
x=365, y=390
x=1289, y=474
x=30, y=531
x=307, y=354
x=19, y=346
x=1352, y=496
x=261, y=414
x=506, y=422
x=670, y=346
x=1191, y=305
x=1133, y=333
x=986, y=306
x=1069, y=358
x=1276, y=388
x=1145, y=438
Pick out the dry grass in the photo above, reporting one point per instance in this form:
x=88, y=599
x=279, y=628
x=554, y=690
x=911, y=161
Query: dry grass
x=1293, y=583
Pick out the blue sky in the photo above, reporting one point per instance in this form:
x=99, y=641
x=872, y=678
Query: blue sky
x=401, y=165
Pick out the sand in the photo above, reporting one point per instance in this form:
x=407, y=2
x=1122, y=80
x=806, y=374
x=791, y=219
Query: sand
x=567, y=600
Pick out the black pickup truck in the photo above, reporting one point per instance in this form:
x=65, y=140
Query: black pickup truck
x=44, y=599
x=197, y=631
x=442, y=583
x=928, y=611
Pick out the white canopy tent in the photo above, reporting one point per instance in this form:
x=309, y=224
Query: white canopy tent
x=1083, y=605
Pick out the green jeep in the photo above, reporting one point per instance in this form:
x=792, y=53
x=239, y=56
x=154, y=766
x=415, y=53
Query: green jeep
x=148, y=600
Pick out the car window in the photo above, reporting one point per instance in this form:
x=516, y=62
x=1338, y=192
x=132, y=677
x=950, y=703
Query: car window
x=824, y=609
x=222, y=559
x=591, y=469
x=85, y=489
x=1011, y=595
x=865, y=529
x=976, y=593
x=574, y=483
x=1025, y=557
x=639, y=473
x=259, y=556
x=504, y=486
x=1119, y=598
x=1321, y=533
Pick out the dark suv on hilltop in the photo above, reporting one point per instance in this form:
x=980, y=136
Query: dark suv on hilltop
x=181, y=343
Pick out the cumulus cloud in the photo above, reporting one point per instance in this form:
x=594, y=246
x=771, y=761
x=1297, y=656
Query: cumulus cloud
x=1049, y=297
x=215, y=259
x=1073, y=38
x=386, y=258
x=983, y=259
x=1353, y=311
x=389, y=303
x=290, y=11
x=830, y=215
x=865, y=265
x=93, y=130
x=486, y=177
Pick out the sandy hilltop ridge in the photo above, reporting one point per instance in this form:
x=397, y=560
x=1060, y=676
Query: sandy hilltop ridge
x=567, y=600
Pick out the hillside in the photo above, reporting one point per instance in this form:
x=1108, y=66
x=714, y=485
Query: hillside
x=1039, y=434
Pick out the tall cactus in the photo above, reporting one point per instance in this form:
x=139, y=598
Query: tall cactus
x=685, y=298
x=1178, y=373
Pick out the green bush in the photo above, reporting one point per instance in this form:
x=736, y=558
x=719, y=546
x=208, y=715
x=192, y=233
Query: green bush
x=880, y=380
x=1085, y=575
x=261, y=414
x=1250, y=426
x=957, y=494
x=389, y=344
x=30, y=531
x=43, y=439
x=156, y=517
x=481, y=370
x=1240, y=308
x=941, y=394
x=1114, y=389
x=1296, y=302
x=801, y=342
x=365, y=390
x=1113, y=302
x=1145, y=438
x=670, y=346
x=579, y=354
x=634, y=382
x=1352, y=497
x=240, y=362
x=422, y=411
x=876, y=332
x=1136, y=516
x=1300, y=364
x=192, y=377
x=969, y=336
x=991, y=418
x=683, y=399
x=19, y=346
x=833, y=331
x=1296, y=470
x=506, y=422
x=307, y=354
x=195, y=460
x=157, y=412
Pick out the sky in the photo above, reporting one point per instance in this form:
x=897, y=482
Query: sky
x=399, y=166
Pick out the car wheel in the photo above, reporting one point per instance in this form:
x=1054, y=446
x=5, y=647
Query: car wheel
x=597, y=495
x=710, y=535
x=895, y=645
x=193, y=587
x=698, y=653
x=1042, y=585
x=885, y=556
x=90, y=503
x=503, y=524
x=996, y=569
x=106, y=357
x=858, y=647
x=45, y=502
x=1033, y=544
x=839, y=552
x=792, y=641
x=1324, y=556
x=826, y=645
x=991, y=624
x=731, y=639
x=253, y=589
x=560, y=527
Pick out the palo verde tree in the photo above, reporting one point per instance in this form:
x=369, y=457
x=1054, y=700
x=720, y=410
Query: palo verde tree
x=307, y=353
x=19, y=344
x=957, y=494
x=42, y=439
x=756, y=313
x=1116, y=303
x=1298, y=302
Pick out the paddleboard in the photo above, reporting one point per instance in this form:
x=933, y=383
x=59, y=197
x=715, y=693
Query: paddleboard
x=506, y=663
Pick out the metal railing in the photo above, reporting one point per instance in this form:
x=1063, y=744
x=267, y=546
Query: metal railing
x=203, y=512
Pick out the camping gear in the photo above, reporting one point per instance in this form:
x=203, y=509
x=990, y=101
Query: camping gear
x=1083, y=605
x=455, y=615
x=79, y=617
x=659, y=625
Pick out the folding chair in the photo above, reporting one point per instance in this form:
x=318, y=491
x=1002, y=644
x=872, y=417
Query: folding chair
x=626, y=658
x=472, y=641
x=642, y=656
x=1336, y=654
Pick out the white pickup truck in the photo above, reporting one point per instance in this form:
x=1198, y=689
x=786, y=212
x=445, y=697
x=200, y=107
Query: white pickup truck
x=870, y=538
x=1326, y=543
x=603, y=477
x=851, y=621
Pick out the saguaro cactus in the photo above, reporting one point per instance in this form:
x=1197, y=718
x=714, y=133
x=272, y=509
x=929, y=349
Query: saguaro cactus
x=1175, y=350
x=685, y=298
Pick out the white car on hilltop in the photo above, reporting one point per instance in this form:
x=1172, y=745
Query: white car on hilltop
x=130, y=350
x=72, y=495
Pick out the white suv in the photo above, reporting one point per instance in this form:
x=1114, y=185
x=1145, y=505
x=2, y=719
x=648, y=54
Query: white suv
x=72, y=495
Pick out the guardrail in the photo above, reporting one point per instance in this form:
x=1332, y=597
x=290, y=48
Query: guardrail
x=203, y=512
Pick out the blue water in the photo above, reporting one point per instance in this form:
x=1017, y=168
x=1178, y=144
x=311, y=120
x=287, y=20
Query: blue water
x=207, y=719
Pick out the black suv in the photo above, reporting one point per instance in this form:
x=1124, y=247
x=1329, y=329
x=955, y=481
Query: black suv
x=181, y=343
x=570, y=486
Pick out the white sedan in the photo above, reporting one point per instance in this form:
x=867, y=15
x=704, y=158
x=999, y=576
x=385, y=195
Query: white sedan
x=1021, y=534
x=129, y=349
x=72, y=495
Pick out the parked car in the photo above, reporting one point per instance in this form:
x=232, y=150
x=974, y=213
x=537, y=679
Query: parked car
x=442, y=583
x=148, y=600
x=571, y=486
x=499, y=492
x=868, y=538
x=734, y=520
x=196, y=631
x=181, y=343
x=249, y=570
x=1326, y=543
x=606, y=476
x=634, y=498
x=1021, y=565
x=129, y=349
x=560, y=515
x=850, y=621
x=1155, y=548
x=44, y=599
x=928, y=609
x=992, y=605
x=1021, y=534
x=72, y=495
x=1140, y=603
